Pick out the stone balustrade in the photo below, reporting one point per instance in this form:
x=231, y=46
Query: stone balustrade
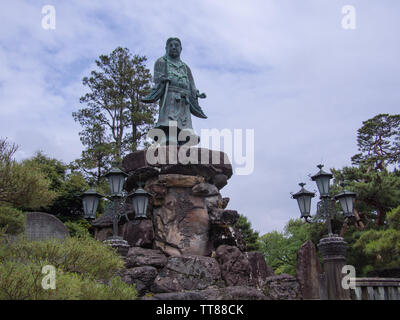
x=376, y=289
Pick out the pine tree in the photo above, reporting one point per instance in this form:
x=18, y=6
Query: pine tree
x=114, y=119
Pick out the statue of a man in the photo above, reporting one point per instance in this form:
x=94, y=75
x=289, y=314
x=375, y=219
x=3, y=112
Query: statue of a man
x=175, y=90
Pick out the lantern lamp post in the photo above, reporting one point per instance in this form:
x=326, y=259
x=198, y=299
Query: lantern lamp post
x=332, y=247
x=116, y=179
x=140, y=199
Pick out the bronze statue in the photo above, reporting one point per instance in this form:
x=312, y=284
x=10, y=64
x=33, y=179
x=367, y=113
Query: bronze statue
x=175, y=90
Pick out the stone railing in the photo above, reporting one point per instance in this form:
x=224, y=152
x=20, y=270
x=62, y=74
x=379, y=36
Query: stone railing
x=376, y=289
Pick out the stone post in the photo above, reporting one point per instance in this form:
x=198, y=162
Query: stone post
x=308, y=271
x=333, y=250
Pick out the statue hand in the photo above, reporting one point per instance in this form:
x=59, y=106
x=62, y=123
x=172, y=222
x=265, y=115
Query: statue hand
x=164, y=79
x=201, y=95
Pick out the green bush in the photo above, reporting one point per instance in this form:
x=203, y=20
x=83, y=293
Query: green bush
x=79, y=228
x=81, y=255
x=12, y=220
x=85, y=269
x=20, y=281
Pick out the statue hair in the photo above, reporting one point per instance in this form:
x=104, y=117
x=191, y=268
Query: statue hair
x=172, y=39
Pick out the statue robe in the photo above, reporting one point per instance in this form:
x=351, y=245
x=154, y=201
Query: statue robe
x=181, y=98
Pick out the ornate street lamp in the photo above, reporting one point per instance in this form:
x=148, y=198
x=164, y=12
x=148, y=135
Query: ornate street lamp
x=116, y=179
x=322, y=178
x=346, y=200
x=332, y=247
x=90, y=201
x=303, y=198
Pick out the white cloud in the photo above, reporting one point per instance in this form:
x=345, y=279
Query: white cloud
x=283, y=68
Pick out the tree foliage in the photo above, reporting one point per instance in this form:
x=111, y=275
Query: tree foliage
x=377, y=191
x=114, y=119
x=382, y=246
x=379, y=142
x=12, y=221
x=66, y=186
x=249, y=235
x=22, y=184
x=280, y=248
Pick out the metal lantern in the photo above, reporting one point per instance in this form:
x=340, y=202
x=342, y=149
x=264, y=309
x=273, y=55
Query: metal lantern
x=303, y=198
x=116, y=179
x=140, y=200
x=346, y=199
x=90, y=200
x=322, y=179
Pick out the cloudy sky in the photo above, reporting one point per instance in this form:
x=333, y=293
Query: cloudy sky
x=285, y=68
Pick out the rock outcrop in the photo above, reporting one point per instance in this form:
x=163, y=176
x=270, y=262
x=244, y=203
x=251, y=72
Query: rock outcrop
x=308, y=270
x=189, y=246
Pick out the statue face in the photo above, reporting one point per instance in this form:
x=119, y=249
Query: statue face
x=174, y=49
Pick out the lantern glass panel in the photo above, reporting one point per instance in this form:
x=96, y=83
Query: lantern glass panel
x=307, y=203
x=116, y=183
x=347, y=204
x=300, y=201
x=90, y=204
x=323, y=185
x=304, y=203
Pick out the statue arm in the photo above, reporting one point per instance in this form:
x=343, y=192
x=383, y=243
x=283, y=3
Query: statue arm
x=158, y=89
x=159, y=71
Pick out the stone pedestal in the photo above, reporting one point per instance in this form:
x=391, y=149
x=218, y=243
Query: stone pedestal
x=189, y=246
x=185, y=190
x=120, y=244
x=333, y=250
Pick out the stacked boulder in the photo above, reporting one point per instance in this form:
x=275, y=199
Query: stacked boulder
x=189, y=247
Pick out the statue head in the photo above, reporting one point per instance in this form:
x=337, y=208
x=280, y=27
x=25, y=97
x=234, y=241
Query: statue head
x=173, y=47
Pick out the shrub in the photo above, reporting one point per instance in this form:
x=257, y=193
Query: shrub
x=12, y=220
x=85, y=269
x=79, y=228
x=81, y=255
x=20, y=281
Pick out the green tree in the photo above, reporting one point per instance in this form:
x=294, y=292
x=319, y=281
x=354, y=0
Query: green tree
x=249, y=235
x=96, y=158
x=22, y=184
x=113, y=106
x=53, y=169
x=377, y=191
x=379, y=142
x=280, y=248
x=67, y=187
x=382, y=247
